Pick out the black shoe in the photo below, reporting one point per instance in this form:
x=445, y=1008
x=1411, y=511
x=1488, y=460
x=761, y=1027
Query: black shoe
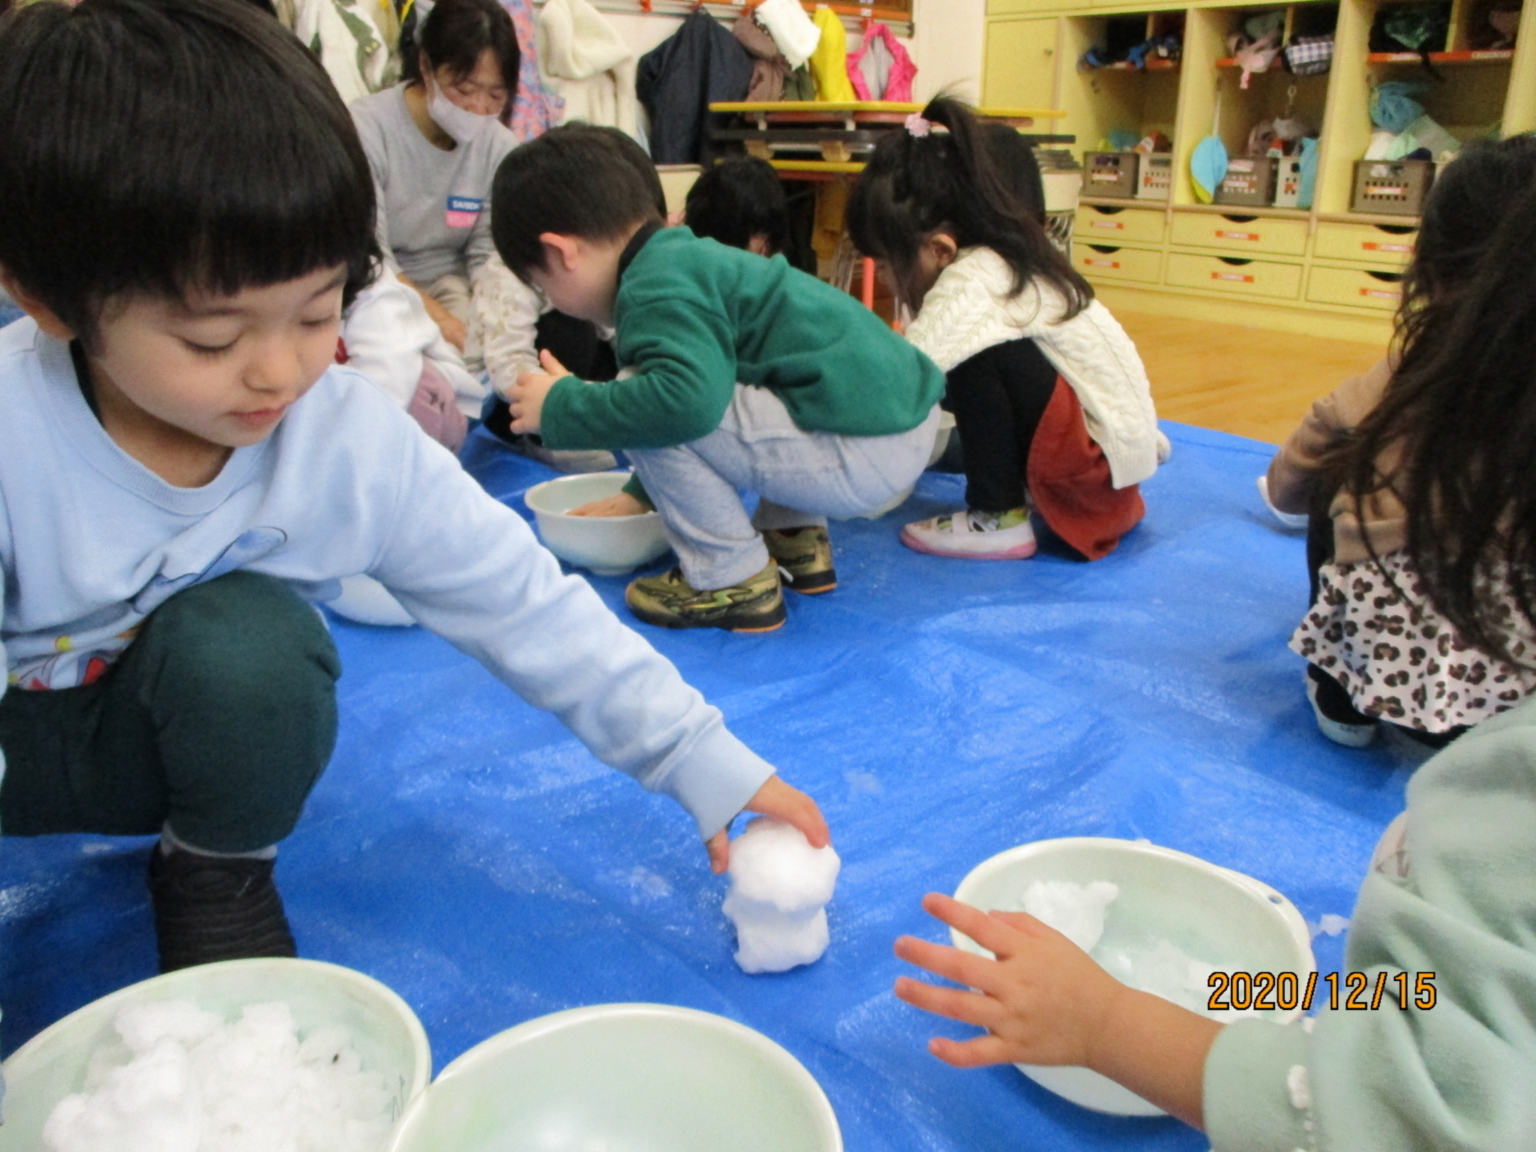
x=210, y=908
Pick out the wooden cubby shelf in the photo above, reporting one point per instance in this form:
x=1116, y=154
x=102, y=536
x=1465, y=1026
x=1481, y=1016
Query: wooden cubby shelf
x=1322, y=271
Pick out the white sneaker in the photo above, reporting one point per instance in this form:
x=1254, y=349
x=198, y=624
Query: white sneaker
x=1349, y=735
x=974, y=535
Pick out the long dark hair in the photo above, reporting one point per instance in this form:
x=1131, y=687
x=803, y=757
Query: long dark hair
x=1460, y=413
x=1469, y=199
x=916, y=185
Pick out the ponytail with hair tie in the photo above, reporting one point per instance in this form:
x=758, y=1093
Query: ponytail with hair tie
x=976, y=181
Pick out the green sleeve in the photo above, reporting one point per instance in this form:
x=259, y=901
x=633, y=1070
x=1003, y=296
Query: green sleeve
x=1256, y=1088
x=1462, y=906
x=634, y=488
x=683, y=353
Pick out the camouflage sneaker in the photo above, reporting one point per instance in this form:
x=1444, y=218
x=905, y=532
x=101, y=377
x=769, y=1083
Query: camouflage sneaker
x=806, y=555
x=754, y=605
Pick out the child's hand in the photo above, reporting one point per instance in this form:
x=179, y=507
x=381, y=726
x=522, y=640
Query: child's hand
x=622, y=504
x=454, y=330
x=1045, y=1001
x=1042, y=1001
x=526, y=398
x=777, y=799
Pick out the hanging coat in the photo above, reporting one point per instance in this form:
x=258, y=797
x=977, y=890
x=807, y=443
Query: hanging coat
x=584, y=61
x=678, y=79
x=535, y=108
x=769, y=68
x=881, y=68
x=829, y=63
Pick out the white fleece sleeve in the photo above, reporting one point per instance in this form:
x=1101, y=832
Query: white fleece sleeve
x=471, y=570
x=386, y=332
x=509, y=313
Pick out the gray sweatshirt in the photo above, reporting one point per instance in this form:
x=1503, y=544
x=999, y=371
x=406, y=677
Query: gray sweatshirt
x=434, y=206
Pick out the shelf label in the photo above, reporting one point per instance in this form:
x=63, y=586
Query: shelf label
x=1374, y=246
x=1380, y=294
x=1238, y=276
x=1102, y=263
x=1226, y=234
x=1105, y=224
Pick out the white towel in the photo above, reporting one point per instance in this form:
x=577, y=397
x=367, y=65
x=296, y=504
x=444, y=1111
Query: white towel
x=585, y=62
x=792, y=30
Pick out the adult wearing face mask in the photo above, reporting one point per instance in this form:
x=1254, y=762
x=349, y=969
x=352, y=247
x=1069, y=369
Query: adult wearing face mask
x=434, y=142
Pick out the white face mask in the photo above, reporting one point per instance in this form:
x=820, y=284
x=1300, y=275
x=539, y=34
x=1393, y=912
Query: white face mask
x=460, y=123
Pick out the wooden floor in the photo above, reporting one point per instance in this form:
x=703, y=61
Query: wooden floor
x=1242, y=380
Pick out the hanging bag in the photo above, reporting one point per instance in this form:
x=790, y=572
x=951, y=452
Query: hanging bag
x=1309, y=55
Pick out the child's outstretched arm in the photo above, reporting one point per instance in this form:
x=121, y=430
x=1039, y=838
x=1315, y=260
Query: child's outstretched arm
x=1045, y=1001
x=781, y=801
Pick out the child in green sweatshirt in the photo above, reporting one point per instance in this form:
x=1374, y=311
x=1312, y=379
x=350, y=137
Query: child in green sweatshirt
x=743, y=375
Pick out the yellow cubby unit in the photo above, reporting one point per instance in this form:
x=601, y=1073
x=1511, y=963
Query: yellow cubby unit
x=1323, y=271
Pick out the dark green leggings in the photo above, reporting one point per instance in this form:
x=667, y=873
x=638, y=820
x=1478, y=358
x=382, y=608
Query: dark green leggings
x=217, y=720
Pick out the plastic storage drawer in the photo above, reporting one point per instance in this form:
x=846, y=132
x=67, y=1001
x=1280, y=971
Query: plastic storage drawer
x=1237, y=276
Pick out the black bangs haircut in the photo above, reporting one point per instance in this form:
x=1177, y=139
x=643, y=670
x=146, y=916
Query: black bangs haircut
x=160, y=146
x=454, y=35
x=953, y=181
x=1468, y=201
x=1461, y=408
x=575, y=180
x=737, y=200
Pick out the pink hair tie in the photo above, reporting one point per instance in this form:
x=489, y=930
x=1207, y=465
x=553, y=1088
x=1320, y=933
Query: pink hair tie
x=917, y=125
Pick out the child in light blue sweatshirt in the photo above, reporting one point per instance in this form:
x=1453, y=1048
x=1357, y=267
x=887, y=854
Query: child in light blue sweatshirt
x=183, y=469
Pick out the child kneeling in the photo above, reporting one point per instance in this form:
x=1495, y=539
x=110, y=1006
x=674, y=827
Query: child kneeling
x=746, y=375
x=182, y=462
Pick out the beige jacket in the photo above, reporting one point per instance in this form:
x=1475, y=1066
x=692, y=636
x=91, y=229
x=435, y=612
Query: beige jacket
x=1297, y=467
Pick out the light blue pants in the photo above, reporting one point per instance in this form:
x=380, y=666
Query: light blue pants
x=800, y=477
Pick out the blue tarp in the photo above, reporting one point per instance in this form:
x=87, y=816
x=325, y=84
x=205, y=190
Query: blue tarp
x=467, y=851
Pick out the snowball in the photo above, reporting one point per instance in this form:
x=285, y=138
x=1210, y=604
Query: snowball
x=1158, y=966
x=182, y=1080
x=780, y=887
x=1074, y=910
x=1330, y=924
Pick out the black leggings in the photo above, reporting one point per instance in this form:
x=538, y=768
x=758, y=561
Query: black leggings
x=576, y=344
x=998, y=397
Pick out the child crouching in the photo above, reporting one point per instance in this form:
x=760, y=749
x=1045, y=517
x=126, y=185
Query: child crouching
x=747, y=375
x=182, y=463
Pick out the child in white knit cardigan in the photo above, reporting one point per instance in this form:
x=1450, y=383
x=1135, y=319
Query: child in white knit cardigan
x=1050, y=398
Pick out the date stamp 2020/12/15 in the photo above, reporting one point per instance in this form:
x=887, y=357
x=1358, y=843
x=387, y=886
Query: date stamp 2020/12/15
x=1240, y=991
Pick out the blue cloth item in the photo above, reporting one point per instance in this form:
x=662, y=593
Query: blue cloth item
x=467, y=851
x=1393, y=106
x=1308, y=186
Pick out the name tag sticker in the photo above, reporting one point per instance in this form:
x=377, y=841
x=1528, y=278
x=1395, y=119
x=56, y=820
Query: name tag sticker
x=463, y=211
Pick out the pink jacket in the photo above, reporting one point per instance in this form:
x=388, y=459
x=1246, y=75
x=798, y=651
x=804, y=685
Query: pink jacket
x=898, y=82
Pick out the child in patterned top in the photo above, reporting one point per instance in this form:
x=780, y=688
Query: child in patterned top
x=1381, y=644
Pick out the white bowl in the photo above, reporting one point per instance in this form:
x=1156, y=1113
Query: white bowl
x=636, y=1077
x=1214, y=914
x=606, y=545
x=383, y=1030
